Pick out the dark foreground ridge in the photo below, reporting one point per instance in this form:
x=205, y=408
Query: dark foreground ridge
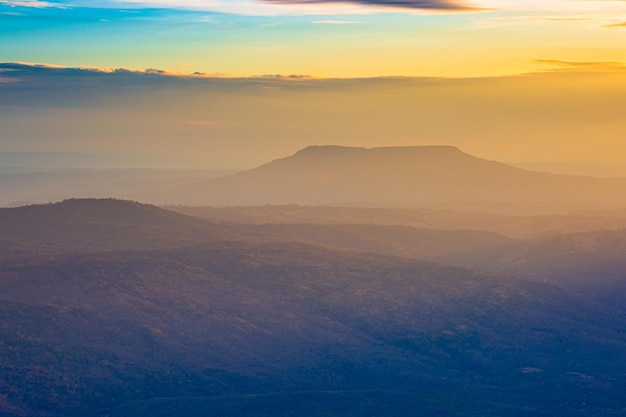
x=162, y=316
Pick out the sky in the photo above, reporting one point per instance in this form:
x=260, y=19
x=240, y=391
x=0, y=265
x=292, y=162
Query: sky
x=232, y=84
x=360, y=38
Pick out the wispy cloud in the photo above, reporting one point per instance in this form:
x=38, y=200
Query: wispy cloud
x=200, y=123
x=616, y=25
x=31, y=3
x=55, y=108
x=582, y=65
x=336, y=22
x=443, y=5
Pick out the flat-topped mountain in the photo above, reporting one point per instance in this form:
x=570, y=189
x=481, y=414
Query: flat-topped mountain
x=339, y=175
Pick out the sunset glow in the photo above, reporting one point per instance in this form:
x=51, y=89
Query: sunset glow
x=479, y=51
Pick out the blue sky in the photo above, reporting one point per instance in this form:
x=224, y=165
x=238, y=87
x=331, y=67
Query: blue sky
x=250, y=37
x=569, y=110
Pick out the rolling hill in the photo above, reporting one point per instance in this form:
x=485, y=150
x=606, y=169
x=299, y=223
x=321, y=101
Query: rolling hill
x=514, y=226
x=21, y=186
x=80, y=225
x=88, y=225
x=233, y=326
x=124, y=309
x=592, y=263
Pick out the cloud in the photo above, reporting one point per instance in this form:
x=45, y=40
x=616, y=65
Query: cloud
x=200, y=123
x=31, y=3
x=336, y=22
x=547, y=114
x=582, y=65
x=264, y=7
x=616, y=25
x=442, y=5
x=564, y=19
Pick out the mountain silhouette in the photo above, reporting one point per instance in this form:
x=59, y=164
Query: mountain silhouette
x=414, y=175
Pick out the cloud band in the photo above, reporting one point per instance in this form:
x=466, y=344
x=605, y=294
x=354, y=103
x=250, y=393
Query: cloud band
x=444, y=5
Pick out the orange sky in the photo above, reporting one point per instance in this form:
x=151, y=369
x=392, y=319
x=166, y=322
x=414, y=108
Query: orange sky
x=464, y=61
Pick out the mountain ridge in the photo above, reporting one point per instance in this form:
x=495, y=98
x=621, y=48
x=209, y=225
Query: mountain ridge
x=109, y=224
x=413, y=175
x=107, y=329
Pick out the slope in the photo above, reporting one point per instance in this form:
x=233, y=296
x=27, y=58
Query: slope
x=335, y=175
x=84, y=334
x=592, y=263
x=99, y=224
x=105, y=224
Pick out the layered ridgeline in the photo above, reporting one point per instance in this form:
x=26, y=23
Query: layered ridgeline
x=88, y=225
x=336, y=175
x=123, y=309
x=83, y=225
x=434, y=176
x=592, y=263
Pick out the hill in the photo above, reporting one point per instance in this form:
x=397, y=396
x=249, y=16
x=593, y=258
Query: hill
x=81, y=225
x=335, y=175
x=411, y=242
x=592, y=263
x=99, y=224
x=513, y=226
x=233, y=326
x=21, y=186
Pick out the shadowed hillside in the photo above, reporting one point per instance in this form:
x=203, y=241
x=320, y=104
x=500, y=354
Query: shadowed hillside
x=591, y=263
x=98, y=224
x=107, y=224
x=85, y=334
x=403, y=241
x=519, y=227
x=157, y=318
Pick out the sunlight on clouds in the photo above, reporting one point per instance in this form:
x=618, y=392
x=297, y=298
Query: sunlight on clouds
x=241, y=7
x=616, y=25
x=336, y=22
x=506, y=118
x=443, y=5
x=582, y=66
x=553, y=5
x=30, y=3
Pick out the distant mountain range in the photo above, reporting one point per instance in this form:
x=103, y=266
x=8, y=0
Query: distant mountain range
x=91, y=225
x=418, y=176
x=30, y=185
x=124, y=309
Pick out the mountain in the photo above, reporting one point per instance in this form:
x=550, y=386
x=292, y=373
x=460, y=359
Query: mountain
x=80, y=225
x=513, y=226
x=411, y=242
x=28, y=185
x=231, y=328
x=592, y=263
x=335, y=175
x=118, y=308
